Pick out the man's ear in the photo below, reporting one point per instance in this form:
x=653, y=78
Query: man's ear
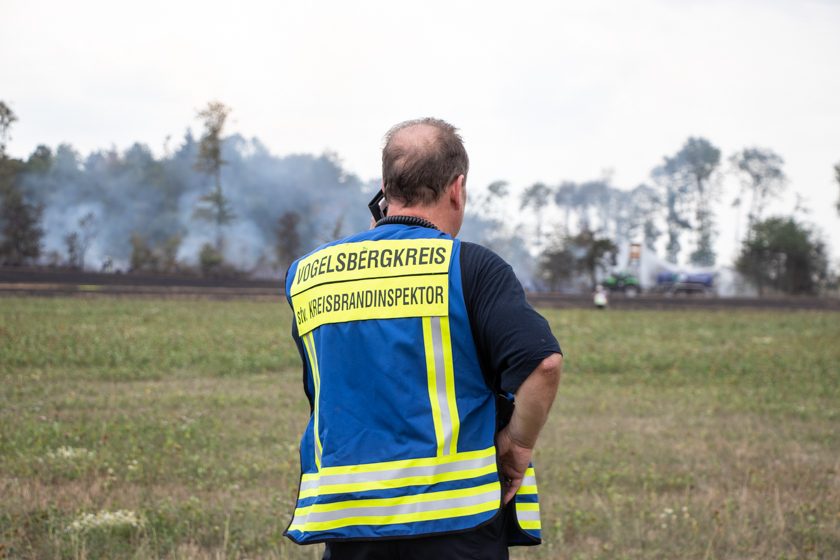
x=457, y=193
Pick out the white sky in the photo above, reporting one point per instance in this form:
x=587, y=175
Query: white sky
x=541, y=90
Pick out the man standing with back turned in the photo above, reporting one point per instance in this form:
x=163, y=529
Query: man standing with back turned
x=413, y=344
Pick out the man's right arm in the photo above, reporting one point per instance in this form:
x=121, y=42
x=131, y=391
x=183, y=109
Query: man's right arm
x=515, y=443
x=518, y=353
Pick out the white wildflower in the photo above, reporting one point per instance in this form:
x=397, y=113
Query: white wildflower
x=106, y=520
x=666, y=516
x=65, y=453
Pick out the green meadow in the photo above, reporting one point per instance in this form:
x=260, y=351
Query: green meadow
x=143, y=428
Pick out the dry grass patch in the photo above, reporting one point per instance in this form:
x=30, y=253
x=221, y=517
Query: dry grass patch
x=168, y=429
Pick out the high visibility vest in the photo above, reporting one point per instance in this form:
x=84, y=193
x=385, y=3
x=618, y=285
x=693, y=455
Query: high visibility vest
x=400, y=441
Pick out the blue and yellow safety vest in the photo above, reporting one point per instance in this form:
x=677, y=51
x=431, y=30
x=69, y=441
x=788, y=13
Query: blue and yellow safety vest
x=401, y=437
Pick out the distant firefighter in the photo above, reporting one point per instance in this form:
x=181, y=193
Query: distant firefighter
x=600, y=298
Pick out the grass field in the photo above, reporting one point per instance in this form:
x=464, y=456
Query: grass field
x=168, y=429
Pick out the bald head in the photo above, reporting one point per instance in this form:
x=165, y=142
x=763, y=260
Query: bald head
x=420, y=159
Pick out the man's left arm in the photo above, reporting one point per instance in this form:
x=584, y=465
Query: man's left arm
x=515, y=442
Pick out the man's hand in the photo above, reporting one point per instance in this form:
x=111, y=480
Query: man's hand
x=515, y=443
x=513, y=462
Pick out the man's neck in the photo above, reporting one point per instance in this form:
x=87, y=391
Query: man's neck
x=429, y=213
x=407, y=221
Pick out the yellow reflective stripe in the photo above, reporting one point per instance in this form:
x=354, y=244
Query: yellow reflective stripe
x=400, y=500
x=334, y=479
x=450, y=384
x=396, y=482
x=309, y=343
x=529, y=482
x=528, y=515
x=399, y=518
x=402, y=464
x=405, y=505
x=428, y=344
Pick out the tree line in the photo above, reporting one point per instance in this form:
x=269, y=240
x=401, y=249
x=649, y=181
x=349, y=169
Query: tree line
x=214, y=204
x=222, y=204
x=675, y=210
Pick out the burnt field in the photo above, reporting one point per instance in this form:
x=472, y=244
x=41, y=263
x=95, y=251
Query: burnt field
x=63, y=282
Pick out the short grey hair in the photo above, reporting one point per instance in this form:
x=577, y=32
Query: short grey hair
x=416, y=173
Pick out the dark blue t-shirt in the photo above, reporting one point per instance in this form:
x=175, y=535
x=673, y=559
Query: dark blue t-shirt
x=510, y=336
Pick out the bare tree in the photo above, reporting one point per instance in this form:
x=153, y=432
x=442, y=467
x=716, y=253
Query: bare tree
x=689, y=183
x=7, y=118
x=564, y=197
x=595, y=195
x=536, y=198
x=761, y=175
x=288, y=242
x=78, y=242
x=498, y=189
x=213, y=207
x=644, y=207
x=837, y=177
x=496, y=192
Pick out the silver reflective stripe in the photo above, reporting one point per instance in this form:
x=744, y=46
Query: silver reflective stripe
x=527, y=515
x=393, y=474
x=309, y=343
x=529, y=480
x=309, y=484
x=400, y=509
x=440, y=384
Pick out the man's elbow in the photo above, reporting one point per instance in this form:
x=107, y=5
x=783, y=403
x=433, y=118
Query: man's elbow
x=550, y=369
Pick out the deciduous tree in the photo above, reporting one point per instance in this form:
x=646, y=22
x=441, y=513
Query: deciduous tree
x=20, y=219
x=594, y=254
x=584, y=253
x=21, y=232
x=556, y=264
x=785, y=255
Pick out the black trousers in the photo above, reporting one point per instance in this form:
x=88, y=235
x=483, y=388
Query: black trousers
x=488, y=542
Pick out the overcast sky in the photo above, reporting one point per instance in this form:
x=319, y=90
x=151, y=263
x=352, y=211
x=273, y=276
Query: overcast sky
x=540, y=90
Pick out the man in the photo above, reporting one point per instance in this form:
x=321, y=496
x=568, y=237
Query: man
x=412, y=344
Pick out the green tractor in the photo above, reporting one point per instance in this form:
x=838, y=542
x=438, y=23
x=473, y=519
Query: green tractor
x=625, y=282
